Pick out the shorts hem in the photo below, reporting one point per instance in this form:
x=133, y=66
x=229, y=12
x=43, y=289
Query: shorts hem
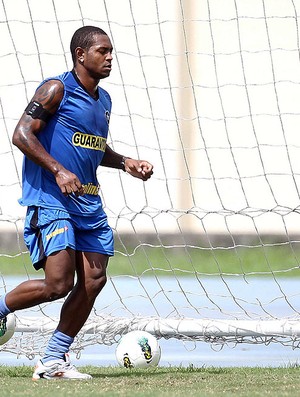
x=38, y=264
x=98, y=251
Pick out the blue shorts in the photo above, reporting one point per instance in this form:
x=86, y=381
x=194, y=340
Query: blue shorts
x=49, y=230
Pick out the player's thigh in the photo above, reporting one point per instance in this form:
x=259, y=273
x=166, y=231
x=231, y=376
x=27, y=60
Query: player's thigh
x=91, y=265
x=60, y=267
x=94, y=247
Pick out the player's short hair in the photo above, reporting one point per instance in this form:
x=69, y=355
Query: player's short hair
x=84, y=38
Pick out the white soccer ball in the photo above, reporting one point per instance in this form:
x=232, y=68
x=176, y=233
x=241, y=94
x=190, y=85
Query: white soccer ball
x=7, y=328
x=138, y=349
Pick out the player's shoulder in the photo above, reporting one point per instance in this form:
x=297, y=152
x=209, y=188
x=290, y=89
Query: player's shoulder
x=53, y=83
x=59, y=80
x=104, y=94
x=51, y=91
x=51, y=88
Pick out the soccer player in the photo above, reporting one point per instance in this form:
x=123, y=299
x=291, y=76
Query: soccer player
x=62, y=134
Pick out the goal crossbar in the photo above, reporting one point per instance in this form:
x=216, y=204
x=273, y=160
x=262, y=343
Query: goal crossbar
x=172, y=327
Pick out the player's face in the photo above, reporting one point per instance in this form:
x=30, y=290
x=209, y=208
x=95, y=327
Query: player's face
x=98, y=57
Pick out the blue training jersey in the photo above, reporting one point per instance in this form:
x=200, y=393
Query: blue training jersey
x=75, y=136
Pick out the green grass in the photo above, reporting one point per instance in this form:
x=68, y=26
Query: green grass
x=157, y=382
x=242, y=260
x=280, y=259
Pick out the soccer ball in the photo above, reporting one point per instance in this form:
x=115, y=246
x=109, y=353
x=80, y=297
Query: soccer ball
x=7, y=328
x=138, y=349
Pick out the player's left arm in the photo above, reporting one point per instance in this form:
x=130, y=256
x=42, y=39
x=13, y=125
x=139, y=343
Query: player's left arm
x=141, y=169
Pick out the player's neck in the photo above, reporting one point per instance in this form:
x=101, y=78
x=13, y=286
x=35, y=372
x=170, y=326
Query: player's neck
x=89, y=83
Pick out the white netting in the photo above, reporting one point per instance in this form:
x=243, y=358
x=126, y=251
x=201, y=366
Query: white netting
x=207, y=91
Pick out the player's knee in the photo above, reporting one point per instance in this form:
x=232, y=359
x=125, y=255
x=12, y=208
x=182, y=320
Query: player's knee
x=99, y=283
x=59, y=290
x=95, y=285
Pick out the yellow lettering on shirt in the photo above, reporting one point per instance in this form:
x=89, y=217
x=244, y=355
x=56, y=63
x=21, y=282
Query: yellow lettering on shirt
x=89, y=141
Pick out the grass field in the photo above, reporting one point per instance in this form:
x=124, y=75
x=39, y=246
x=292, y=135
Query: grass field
x=157, y=382
x=280, y=259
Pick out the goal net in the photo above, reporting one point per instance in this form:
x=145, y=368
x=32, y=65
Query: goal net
x=209, y=92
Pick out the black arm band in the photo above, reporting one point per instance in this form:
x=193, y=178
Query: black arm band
x=36, y=111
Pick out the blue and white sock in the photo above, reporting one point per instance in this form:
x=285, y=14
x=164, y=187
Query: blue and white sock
x=4, y=310
x=58, y=346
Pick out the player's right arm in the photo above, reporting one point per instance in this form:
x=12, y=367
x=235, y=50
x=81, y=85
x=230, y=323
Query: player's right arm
x=47, y=98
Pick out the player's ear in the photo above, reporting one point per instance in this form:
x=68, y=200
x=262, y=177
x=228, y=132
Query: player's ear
x=79, y=54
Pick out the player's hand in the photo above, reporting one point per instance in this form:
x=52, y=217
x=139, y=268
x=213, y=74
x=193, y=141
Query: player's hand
x=139, y=168
x=69, y=183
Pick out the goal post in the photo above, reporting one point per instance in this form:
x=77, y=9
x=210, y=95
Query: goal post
x=209, y=92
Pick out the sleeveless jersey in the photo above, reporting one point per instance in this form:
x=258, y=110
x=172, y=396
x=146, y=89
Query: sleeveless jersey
x=75, y=136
